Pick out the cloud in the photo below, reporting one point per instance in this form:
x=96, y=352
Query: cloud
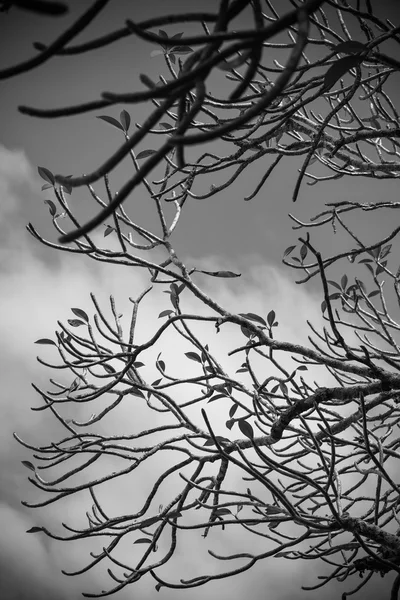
x=34, y=294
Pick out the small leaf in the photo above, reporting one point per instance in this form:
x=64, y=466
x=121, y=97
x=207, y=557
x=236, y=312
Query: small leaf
x=193, y=356
x=219, y=438
x=28, y=465
x=344, y=282
x=270, y=509
x=75, y=322
x=374, y=293
x=142, y=541
x=220, y=273
x=109, y=229
x=136, y=392
x=303, y=252
x=166, y=125
x=81, y=314
x=34, y=530
x=246, y=428
x=340, y=68
x=46, y=186
x=232, y=410
x=165, y=313
x=181, y=49
x=162, y=33
x=52, y=207
x=253, y=317
x=145, y=154
x=302, y=368
x=138, y=364
x=125, y=119
x=271, y=317
x=229, y=423
x=222, y=511
x=154, y=53
x=109, y=368
x=350, y=47
x=161, y=364
x=246, y=331
x=45, y=341
x=288, y=251
x=111, y=121
x=46, y=175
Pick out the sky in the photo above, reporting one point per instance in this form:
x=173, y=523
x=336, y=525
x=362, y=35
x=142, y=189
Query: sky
x=38, y=287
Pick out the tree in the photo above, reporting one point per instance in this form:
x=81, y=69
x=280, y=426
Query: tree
x=322, y=458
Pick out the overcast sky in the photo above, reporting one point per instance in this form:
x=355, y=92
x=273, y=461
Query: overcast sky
x=38, y=286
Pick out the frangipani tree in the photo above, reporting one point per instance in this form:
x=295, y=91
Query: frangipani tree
x=312, y=426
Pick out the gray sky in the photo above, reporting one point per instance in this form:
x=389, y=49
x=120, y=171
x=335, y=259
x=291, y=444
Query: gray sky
x=39, y=286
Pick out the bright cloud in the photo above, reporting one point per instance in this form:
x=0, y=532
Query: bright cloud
x=33, y=296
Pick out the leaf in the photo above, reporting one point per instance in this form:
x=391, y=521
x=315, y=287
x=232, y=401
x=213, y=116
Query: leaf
x=46, y=186
x=229, y=423
x=303, y=252
x=288, y=251
x=75, y=322
x=302, y=368
x=350, y=47
x=177, y=36
x=253, y=317
x=125, y=119
x=246, y=428
x=222, y=511
x=28, y=465
x=374, y=293
x=270, y=509
x=162, y=33
x=219, y=438
x=336, y=285
x=344, y=282
x=143, y=541
x=232, y=410
x=52, y=207
x=45, y=341
x=109, y=368
x=145, y=154
x=220, y=273
x=81, y=314
x=193, y=356
x=46, y=175
x=217, y=397
x=165, y=313
x=154, y=53
x=109, y=229
x=136, y=392
x=34, y=530
x=138, y=364
x=161, y=364
x=166, y=125
x=181, y=49
x=246, y=331
x=271, y=317
x=340, y=68
x=111, y=121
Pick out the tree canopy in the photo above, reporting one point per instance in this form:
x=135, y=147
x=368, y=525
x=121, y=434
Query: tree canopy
x=312, y=429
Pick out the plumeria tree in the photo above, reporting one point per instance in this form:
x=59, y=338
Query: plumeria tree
x=309, y=431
